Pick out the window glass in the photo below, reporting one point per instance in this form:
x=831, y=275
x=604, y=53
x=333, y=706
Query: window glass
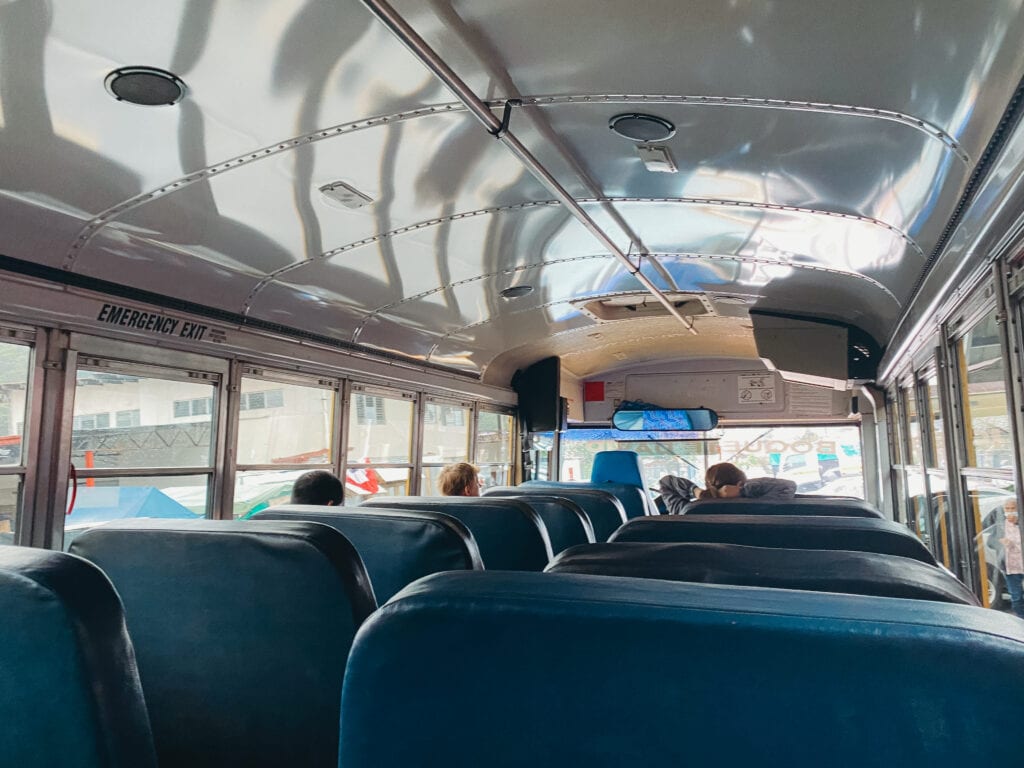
x=913, y=427
x=102, y=499
x=820, y=460
x=255, y=490
x=917, y=507
x=994, y=553
x=10, y=504
x=986, y=411
x=494, y=438
x=941, y=520
x=284, y=424
x=895, y=430
x=380, y=429
x=164, y=430
x=938, y=432
x=362, y=483
x=14, y=362
x=445, y=433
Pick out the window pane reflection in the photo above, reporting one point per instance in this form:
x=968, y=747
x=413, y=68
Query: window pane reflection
x=986, y=412
x=938, y=431
x=284, y=423
x=994, y=561
x=380, y=429
x=10, y=504
x=913, y=427
x=133, y=421
x=493, y=438
x=362, y=483
x=445, y=433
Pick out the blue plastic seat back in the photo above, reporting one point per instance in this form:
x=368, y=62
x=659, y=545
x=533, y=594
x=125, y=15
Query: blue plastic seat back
x=858, y=573
x=70, y=695
x=567, y=523
x=804, y=506
x=634, y=500
x=862, y=534
x=510, y=534
x=603, y=509
x=396, y=546
x=622, y=467
x=242, y=629
x=713, y=676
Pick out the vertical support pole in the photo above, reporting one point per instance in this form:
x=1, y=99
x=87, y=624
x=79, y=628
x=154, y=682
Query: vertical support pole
x=222, y=494
x=53, y=402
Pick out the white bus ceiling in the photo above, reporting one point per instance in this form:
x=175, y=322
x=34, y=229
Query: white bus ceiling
x=822, y=149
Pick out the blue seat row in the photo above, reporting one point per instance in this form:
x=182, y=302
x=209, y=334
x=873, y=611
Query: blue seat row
x=604, y=511
x=716, y=676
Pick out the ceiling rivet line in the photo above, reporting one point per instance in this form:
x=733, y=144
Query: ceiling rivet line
x=929, y=129
x=105, y=217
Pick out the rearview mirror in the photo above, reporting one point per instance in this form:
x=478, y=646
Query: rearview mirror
x=666, y=419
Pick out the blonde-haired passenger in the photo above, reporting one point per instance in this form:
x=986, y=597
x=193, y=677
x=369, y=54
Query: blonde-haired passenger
x=459, y=479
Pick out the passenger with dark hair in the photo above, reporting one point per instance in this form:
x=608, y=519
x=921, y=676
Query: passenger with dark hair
x=727, y=481
x=459, y=480
x=318, y=487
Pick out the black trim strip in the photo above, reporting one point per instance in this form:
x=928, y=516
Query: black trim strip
x=1011, y=117
x=72, y=279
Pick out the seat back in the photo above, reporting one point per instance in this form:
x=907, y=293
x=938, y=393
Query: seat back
x=861, y=534
x=601, y=507
x=806, y=506
x=859, y=573
x=567, y=523
x=396, y=546
x=510, y=534
x=635, y=501
x=621, y=467
x=241, y=629
x=718, y=676
x=70, y=695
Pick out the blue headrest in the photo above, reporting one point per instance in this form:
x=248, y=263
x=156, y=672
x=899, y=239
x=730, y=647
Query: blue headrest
x=510, y=534
x=817, y=570
x=711, y=676
x=862, y=534
x=634, y=500
x=396, y=546
x=617, y=467
x=804, y=506
x=604, y=510
x=70, y=694
x=242, y=629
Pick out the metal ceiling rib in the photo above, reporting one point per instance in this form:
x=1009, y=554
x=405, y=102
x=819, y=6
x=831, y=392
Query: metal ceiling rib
x=383, y=11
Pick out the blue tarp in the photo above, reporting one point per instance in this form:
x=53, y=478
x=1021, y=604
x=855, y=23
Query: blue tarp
x=102, y=504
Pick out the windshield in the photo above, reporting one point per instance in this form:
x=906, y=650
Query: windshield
x=820, y=460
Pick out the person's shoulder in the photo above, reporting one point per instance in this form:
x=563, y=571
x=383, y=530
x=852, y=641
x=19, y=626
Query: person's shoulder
x=771, y=487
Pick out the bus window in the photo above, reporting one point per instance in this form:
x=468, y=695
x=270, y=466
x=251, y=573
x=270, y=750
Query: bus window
x=284, y=430
x=986, y=510
x=142, y=446
x=985, y=406
x=379, y=447
x=14, y=380
x=445, y=440
x=494, y=450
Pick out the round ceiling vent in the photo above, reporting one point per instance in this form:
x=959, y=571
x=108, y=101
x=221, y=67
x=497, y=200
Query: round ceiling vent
x=145, y=86
x=517, y=292
x=643, y=128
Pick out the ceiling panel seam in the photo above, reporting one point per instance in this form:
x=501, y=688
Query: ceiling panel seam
x=94, y=225
x=437, y=221
x=927, y=128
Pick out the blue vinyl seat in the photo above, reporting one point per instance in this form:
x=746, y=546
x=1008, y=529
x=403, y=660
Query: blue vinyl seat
x=714, y=676
x=70, y=693
x=817, y=570
x=604, y=510
x=634, y=500
x=242, y=629
x=396, y=546
x=567, y=523
x=862, y=534
x=510, y=534
x=803, y=506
